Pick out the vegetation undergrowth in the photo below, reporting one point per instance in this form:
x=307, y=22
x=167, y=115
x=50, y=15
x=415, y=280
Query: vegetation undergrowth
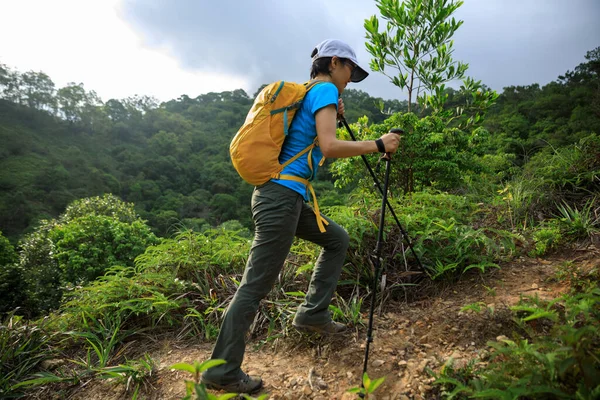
x=553, y=353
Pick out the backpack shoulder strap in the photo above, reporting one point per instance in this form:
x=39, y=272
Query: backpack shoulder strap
x=312, y=83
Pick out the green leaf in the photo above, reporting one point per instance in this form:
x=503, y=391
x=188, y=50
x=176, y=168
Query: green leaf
x=209, y=364
x=375, y=384
x=542, y=314
x=183, y=367
x=42, y=378
x=366, y=381
x=296, y=294
x=492, y=394
x=228, y=396
x=261, y=397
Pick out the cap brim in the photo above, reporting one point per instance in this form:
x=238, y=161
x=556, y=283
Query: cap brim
x=358, y=74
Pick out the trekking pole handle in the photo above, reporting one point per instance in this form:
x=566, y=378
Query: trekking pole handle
x=397, y=131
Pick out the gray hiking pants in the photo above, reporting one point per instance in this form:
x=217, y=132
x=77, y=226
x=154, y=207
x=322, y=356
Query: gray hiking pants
x=279, y=214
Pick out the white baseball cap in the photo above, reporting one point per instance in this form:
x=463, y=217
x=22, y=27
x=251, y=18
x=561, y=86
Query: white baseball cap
x=334, y=47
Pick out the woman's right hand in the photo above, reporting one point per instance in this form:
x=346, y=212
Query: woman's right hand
x=391, y=141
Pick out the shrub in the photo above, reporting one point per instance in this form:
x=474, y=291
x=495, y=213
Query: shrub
x=44, y=287
x=545, y=239
x=189, y=253
x=580, y=278
x=86, y=246
x=107, y=205
x=570, y=173
x=444, y=233
x=12, y=288
x=557, y=359
x=196, y=390
x=522, y=200
x=92, y=235
x=446, y=237
x=139, y=298
x=7, y=251
x=133, y=373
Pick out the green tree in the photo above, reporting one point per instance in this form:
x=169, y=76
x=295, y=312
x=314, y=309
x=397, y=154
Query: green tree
x=431, y=154
x=224, y=207
x=7, y=252
x=417, y=42
x=140, y=104
x=78, y=105
x=11, y=84
x=164, y=143
x=93, y=116
x=3, y=74
x=116, y=111
x=39, y=90
x=359, y=104
x=71, y=100
x=96, y=233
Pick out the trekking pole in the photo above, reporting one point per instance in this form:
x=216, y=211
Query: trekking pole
x=377, y=255
x=383, y=191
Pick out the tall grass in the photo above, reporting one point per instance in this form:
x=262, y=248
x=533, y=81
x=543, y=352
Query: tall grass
x=23, y=346
x=581, y=224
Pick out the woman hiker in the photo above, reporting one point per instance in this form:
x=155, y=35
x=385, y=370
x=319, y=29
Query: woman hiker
x=280, y=211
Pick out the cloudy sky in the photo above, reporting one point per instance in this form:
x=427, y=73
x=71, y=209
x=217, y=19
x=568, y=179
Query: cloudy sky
x=166, y=48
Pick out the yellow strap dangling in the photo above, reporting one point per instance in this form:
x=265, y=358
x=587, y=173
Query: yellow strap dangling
x=321, y=222
x=320, y=219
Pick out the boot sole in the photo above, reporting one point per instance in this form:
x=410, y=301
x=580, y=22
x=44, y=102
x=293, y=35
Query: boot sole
x=230, y=389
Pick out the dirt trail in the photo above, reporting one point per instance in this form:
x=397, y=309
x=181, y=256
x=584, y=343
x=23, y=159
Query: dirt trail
x=407, y=338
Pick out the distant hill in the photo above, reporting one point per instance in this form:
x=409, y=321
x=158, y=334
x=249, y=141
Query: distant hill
x=172, y=161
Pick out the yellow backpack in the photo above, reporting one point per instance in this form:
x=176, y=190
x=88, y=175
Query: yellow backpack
x=256, y=146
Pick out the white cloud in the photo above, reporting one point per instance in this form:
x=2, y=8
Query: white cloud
x=168, y=48
x=86, y=41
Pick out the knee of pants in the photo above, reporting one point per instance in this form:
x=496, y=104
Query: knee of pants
x=342, y=240
x=253, y=292
x=345, y=239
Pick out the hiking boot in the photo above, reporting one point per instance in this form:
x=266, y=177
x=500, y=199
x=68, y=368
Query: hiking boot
x=327, y=328
x=247, y=384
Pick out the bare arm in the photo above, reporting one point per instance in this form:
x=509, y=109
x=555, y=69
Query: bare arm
x=332, y=147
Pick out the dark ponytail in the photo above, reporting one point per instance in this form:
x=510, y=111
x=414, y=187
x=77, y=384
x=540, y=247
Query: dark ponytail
x=320, y=66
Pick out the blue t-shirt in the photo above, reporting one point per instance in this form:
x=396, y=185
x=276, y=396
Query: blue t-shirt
x=302, y=133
